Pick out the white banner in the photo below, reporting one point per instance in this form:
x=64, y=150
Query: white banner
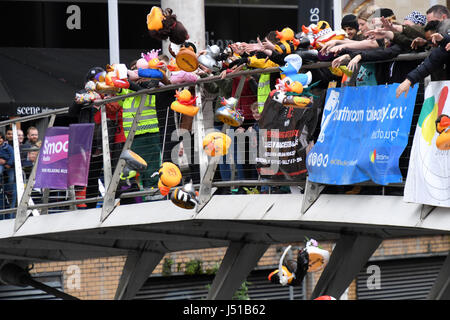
x=428, y=179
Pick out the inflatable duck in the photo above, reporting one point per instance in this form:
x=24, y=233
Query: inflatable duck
x=153, y=69
x=133, y=164
x=209, y=58
x=117, y=76
x=323, y=33
x=180, y=76
x=185, y=197
x=216, y=144
x=318, y=257
x=443, y=128
x=292, y=272
x=287, y=41
x=186, y=57
x=184, y=103
x=89, y=95
x=292, y=67
x=169, y=177
x=228, y=113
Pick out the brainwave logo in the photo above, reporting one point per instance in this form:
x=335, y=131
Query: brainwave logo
x=373, y=156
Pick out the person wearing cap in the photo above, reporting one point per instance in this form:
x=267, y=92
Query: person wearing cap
x=415, y=18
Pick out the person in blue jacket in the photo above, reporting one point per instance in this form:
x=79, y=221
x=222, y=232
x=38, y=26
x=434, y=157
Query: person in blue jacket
x=6, y=166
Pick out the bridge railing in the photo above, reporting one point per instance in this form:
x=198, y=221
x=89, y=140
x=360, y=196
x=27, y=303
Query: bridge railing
x=239, y=177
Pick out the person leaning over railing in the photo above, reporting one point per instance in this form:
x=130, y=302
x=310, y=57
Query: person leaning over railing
x=437, y=58
x=6, y=166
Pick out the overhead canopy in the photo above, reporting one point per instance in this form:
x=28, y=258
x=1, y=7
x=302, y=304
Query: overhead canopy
x=33, y=80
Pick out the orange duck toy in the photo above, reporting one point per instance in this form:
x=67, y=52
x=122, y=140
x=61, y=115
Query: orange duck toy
x=185, y=103
x=288, y=43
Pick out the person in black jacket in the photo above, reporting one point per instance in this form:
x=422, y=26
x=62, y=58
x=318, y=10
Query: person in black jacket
x=434, y=61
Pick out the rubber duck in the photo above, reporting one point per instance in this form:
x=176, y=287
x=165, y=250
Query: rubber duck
x=209, y=58
x=287, y=41
x=180, y=76
x=228, y=113
x=185, y=197
x=292, y=67
x=153, y=70
x=216, y=144
x=169, y=177
x=184, y=103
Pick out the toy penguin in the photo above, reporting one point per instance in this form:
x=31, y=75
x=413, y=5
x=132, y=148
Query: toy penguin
x=216, y=144
x=287, y=42
x=185, y=197
x=169, y=177
x=228, y=113
x=292, y=272
x=185, y=103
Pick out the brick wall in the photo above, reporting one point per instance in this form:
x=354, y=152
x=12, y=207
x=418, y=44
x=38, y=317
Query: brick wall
x=99, y=278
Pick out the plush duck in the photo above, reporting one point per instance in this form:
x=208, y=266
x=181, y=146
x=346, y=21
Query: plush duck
x=153, y=69
x=292, y=271
x=228, y=113
x=292, y=67
x=169, y=177
x=216, y=144
x=318, y=257
x=185, y=197
x=184, y=103
x=289, y=94
x=287, y=41
x=180, y=76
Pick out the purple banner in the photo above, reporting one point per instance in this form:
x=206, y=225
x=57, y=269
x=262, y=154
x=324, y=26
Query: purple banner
x=79, y=153
x=52, y=163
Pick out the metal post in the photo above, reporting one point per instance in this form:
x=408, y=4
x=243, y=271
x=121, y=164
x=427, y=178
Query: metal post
x=105, y=145
x=108, y=201
x=113, y=24
x=22, y=211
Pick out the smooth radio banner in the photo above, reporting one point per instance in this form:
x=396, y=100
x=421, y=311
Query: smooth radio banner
x=364, y=131
x=62, y=146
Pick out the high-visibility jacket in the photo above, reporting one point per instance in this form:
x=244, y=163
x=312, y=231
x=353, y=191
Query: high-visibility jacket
x=148, y=122
x=263, y=90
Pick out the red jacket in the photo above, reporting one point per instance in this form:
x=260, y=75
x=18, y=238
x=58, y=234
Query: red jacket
x=246, y=100
x=113, y=112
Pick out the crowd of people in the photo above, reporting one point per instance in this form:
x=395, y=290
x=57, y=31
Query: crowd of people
x=373, y=35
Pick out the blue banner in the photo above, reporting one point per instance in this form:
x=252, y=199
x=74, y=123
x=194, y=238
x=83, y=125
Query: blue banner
x=364, y=131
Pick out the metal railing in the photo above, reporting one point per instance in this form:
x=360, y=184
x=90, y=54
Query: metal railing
x=42, y=202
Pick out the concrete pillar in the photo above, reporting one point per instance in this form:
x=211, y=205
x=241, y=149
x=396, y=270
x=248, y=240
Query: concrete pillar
x=238, y=262
x=192, y=14
x=350, y=254
x=441, y=286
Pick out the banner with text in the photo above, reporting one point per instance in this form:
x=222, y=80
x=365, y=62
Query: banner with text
x=428, y=180
x=364, y=131
x=62, y=146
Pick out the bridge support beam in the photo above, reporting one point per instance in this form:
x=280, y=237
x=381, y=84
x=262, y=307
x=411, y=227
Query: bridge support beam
x=137, y=269
x=441, y=287
x=350, y=254
x=239, y=261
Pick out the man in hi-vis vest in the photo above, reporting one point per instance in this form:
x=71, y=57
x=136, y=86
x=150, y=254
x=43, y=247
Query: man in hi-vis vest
x=146, y=139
